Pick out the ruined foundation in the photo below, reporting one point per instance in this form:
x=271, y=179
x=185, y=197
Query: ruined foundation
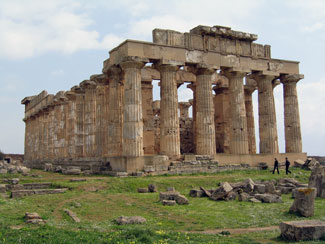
x=110, y=122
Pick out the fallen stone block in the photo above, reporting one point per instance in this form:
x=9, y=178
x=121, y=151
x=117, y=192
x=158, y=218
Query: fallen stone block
x=231, y=196
x=3, y=188
x=262, y=166
x=288, y=181
x=29, y=186
x=14, y=187
x=254, y=200
x=33, y=218
x=169, y=195
x=248, y=185
x=268, y=198
x=72, y=170
x=181, y=200
x=306, y=230
x=298, y=163
x=259, y=188
x=221, y=192
x=22, y=193
x=206, y=192
x=48, y=167
x=196, y=193
x=304, y=202
x=72, y=215
x=78, y=180
x=171, y=188
x=123, y=220
x=284, y=189
x=142, y=190
x=243, y=197
x=3, y=171
x=169, y=202
x=269, y=187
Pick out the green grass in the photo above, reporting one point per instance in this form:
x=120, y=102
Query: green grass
x=102, y=199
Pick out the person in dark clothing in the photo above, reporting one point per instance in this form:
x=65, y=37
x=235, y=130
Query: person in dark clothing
x=276, y=166
x=287, y=166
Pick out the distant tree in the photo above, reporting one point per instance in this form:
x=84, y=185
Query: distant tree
x=2, y=155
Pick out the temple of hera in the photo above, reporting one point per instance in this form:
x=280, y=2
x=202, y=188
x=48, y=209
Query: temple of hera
x=111, y=123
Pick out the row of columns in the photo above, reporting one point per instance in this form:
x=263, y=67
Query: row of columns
x=120, y=103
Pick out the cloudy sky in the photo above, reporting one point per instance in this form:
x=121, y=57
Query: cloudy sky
x=55, y=44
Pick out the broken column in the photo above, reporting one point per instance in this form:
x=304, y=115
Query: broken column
x=304, y=202
x=132, y=120
x=169, y=122
x=238, y=124
x=204, y=123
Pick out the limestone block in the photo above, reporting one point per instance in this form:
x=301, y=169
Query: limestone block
x=221, y=192
x=142, y=190
x=169, y=202
x=72, y=170
x=259, y=188
x=152, y=188
x=304, y=202
x=2, y=188
x=196, y=193
x=231, y=196
x=268, y=198
x=306, y=230
x=123, y=220
x=298, y=163
x=72, y=215
x=181, y=200
x=243, y=197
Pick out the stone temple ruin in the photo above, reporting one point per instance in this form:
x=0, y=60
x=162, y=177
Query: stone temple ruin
x=111, y=123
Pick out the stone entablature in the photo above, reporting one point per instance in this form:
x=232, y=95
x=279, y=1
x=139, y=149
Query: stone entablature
x=112, y=116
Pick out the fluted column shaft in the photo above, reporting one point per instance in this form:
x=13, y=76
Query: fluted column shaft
x=71, y=125
x=132, y=121
x=205, y=127
x=250, y=120
x=293, y=142
x=115, y=112
x=50, y=137
x=238, y=123
x=267, y=118
x=169, y=121
x=80, y=116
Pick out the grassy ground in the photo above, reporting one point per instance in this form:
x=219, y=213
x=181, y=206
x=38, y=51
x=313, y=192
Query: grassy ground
x=101, y=199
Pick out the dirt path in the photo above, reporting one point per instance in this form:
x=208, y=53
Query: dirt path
x=238, y=231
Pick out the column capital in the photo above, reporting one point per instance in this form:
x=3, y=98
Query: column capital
x=291, y=78
x=263, y=75
x=100, y=79
x=132, y=64
x=232, y=73
x=71, y=95
x=88, y=84
x=167, y=67
x=114, y=73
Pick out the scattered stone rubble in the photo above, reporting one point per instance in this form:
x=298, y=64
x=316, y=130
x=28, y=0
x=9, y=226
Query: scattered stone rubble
x=123, y=220
x=304, y=202
x=306, y=230
x=248, y=190
x=12, y=168
x=150, y=188
x=317, y=180
x=309, y=164
x=33, y=218
x=172, y=197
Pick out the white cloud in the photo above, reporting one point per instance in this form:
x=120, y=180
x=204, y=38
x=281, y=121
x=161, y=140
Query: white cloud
x=30, y=28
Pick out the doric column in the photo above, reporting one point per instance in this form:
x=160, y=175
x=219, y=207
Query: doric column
x=80, y=116
x=148, y=117
x=45, y=133
x=292, y=130
x=133, y=123
x=204, y=124
x=71, y=124
x=238, y=124
x=114, y=112
x=266, y=113
x=169, y=122
x=192, y=86
x=249, y=89
x=50, y=138
x=89, y=117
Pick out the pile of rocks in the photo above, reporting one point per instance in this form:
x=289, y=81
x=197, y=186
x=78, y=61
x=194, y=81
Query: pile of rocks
x=171, y=197
x=33, y=218
x=6, y=168
x=248, y=190
x=309, y=164
x=150, y=188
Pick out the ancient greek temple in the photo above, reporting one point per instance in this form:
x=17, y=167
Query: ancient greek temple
x=111, y=123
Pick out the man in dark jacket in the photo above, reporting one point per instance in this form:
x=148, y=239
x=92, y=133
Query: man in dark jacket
x=276, y=165
x=287, y=166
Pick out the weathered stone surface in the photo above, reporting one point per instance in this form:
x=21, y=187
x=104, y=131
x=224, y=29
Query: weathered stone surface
x=14, y=181
x=221, y=192
x=263, y=166
x=48, y=167
x=142, y=190
x=78, y=180
x=124, y=220
x=72, y=215
x=304, y=202
x=72, y=170
x=243, y=197
x=259, y=188
x=317, y=180
x=2, y=188
x=169, y=202
x=254, y=200
x=171, y=188
x=231, y=196
x=22, y=193
x=298, y=163
x=249, y=185
x=181, y=200
x=42, y=185
x=169, y=195
x=306, y=230
x=268, y=198
x=33, y=218
x=269, y=187
x=206, y=192
x=196, y=193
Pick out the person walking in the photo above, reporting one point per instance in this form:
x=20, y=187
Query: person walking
x=287, y=166
x=276, y=166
